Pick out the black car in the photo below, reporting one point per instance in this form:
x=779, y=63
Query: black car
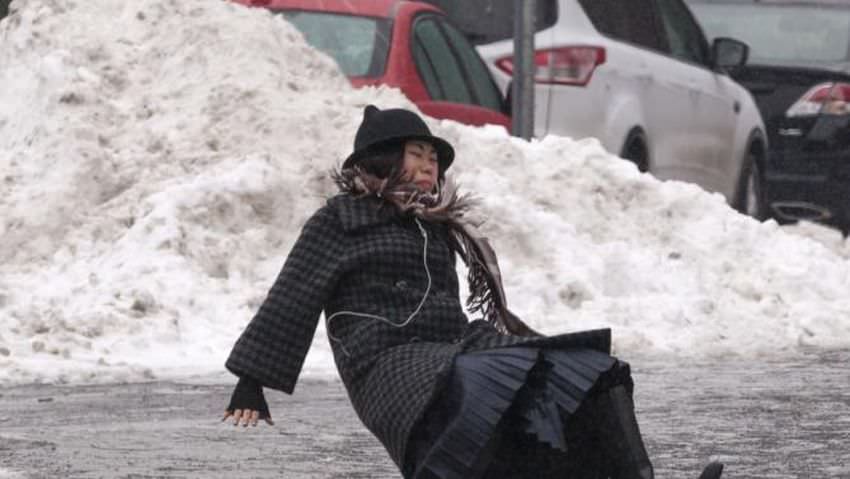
x=799, y=74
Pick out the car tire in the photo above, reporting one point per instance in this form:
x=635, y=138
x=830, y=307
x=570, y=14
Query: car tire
x=751, y=198
x=635, y=150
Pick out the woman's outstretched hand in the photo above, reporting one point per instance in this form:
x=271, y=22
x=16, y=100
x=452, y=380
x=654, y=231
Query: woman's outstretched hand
x=247, y=404
x=246, y=417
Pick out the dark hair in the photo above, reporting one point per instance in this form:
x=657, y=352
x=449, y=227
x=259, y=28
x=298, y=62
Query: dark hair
x=386, y=161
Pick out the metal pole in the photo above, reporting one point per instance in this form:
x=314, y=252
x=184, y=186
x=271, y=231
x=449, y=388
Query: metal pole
x=522, y=93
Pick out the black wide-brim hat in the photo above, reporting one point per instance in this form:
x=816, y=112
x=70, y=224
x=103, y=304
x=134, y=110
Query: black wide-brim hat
x=381, y=128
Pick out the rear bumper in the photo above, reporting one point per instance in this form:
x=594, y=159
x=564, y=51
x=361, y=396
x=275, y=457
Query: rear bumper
x=813, y=187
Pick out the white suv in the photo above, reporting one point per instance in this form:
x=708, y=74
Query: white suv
x=638, y=75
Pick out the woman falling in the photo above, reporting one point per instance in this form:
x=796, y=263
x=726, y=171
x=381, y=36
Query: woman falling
x=447, y=397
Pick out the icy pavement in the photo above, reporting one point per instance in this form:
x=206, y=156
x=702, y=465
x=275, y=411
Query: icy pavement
x=777, y=420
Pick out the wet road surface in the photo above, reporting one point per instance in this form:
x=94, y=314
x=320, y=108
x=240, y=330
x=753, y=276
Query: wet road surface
x=773, y=419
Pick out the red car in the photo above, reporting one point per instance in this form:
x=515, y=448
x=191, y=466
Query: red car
x=403, y=44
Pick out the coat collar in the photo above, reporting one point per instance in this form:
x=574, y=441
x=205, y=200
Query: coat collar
x=361, y=212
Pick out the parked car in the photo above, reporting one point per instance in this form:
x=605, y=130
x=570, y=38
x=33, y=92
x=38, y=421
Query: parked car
x=640, y=76
x=799, y=73
x=403, y=44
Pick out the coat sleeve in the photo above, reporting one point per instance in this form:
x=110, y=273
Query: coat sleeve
x=273, y=346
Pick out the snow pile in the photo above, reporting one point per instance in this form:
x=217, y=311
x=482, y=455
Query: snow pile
x=158, y=161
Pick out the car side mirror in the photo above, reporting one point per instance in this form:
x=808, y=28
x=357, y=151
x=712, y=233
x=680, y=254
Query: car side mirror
x=728, y=53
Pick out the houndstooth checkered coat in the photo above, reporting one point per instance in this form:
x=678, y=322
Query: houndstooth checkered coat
x=358, y=256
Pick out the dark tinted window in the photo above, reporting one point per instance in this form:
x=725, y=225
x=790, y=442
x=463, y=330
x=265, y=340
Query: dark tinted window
x=358, y=44
x=632, y=21
x=437, y=64
x=427, y=71
x=684, y=37
x=487, y=21
x=485, y=91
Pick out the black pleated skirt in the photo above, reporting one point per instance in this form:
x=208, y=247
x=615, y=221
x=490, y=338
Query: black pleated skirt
x=511, y=413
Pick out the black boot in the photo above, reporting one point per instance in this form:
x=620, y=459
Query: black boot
x=712, y=471
x=619, y=435
x=621, y=441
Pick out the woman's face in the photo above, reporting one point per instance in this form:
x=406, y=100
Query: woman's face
x=420, y=165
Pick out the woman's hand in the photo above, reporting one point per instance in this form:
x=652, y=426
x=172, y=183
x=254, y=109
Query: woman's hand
x=247, y=404
x=246, y=416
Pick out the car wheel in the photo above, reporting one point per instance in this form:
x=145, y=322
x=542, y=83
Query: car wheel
x=751, y=197
x=634, y=150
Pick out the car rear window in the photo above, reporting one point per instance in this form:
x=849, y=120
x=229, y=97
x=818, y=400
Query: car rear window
x=632, y=21
x=488, y=21
x=358, y=44
x=789, y=35
x=486, y=92
x=431, y=47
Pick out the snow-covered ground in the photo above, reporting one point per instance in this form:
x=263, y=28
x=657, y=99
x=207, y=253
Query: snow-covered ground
x=157, y=160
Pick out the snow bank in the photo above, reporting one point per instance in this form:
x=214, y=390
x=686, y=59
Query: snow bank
x=158, y=160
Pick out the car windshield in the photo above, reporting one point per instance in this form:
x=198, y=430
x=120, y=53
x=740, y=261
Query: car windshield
x=358, y=44
x=786, y=35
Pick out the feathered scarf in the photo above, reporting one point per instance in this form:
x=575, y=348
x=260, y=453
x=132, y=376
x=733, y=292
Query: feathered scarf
x=486, y=293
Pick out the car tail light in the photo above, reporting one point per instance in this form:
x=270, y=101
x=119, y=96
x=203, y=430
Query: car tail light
x=566, y=66
x=260, y=3
x=826, y=98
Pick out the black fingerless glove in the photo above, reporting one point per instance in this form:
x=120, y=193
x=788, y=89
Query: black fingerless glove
x=248, y=394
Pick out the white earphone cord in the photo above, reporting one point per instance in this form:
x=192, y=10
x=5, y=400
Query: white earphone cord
x=381, y=318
